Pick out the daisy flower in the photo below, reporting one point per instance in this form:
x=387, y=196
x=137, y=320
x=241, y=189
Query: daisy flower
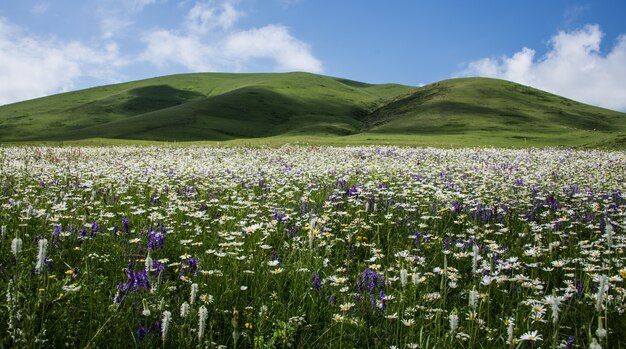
x=531, y=336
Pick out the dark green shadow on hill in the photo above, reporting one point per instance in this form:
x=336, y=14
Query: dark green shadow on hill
x=136, y=101
x=247, y=112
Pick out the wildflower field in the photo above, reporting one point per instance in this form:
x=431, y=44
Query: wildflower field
x=312, y=247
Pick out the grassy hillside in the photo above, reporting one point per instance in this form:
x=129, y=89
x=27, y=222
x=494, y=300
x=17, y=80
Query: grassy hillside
x=495, y=112
x=275, y=108
x=193, y=107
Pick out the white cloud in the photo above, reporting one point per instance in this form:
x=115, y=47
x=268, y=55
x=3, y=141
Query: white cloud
x=271, y=42
x=165, y=47
x=111, y=25
x=115, y=15
x=574, y=67
x=208, y=40
x=204, y=17
x=33, y=67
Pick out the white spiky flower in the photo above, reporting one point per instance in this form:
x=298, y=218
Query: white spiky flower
x=554, y=302
x=146, y=308
x=454, y=321
x=510, y=327
x=475, y=257
x=16, y=246
x=165, y=323
x=473, y=298
x=594, y=344
x=404, y=275
x=193, y=293
x=608, y=229
x=149, y=262
x=600, y=332
x=184, y=310
x=41, y=255
x=604, y=280
x=203, y=314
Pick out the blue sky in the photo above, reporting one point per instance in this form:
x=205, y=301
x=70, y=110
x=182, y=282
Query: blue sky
x=576, y=49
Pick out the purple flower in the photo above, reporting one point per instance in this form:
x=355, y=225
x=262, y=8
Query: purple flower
x=457, y=207
x=56, y=235
x=156, y=240
x=125, y=222
x=316, y=281
x=372, y=279
x=553, y=203
x=139, y=280
x=353, y=190
x=579, y=288
x=141, y=333
x=158, y=267
x=135, y=281
x=190, y=264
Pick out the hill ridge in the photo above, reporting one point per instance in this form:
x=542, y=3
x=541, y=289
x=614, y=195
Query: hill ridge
x=225, y=106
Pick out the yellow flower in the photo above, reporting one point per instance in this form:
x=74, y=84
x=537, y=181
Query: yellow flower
x=622, y=273
x=248, y=326
x=69, y=272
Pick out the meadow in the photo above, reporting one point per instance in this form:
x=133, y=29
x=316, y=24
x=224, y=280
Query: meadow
x=311, y=247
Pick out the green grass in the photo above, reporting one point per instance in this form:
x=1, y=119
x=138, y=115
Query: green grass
x=314, y=109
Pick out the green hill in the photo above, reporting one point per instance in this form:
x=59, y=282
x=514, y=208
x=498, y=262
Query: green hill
x=498, y=112
x=301, y=106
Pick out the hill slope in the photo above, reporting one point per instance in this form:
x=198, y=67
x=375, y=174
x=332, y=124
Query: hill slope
x=219, y=107
x=492, y=108
x=209, y=106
